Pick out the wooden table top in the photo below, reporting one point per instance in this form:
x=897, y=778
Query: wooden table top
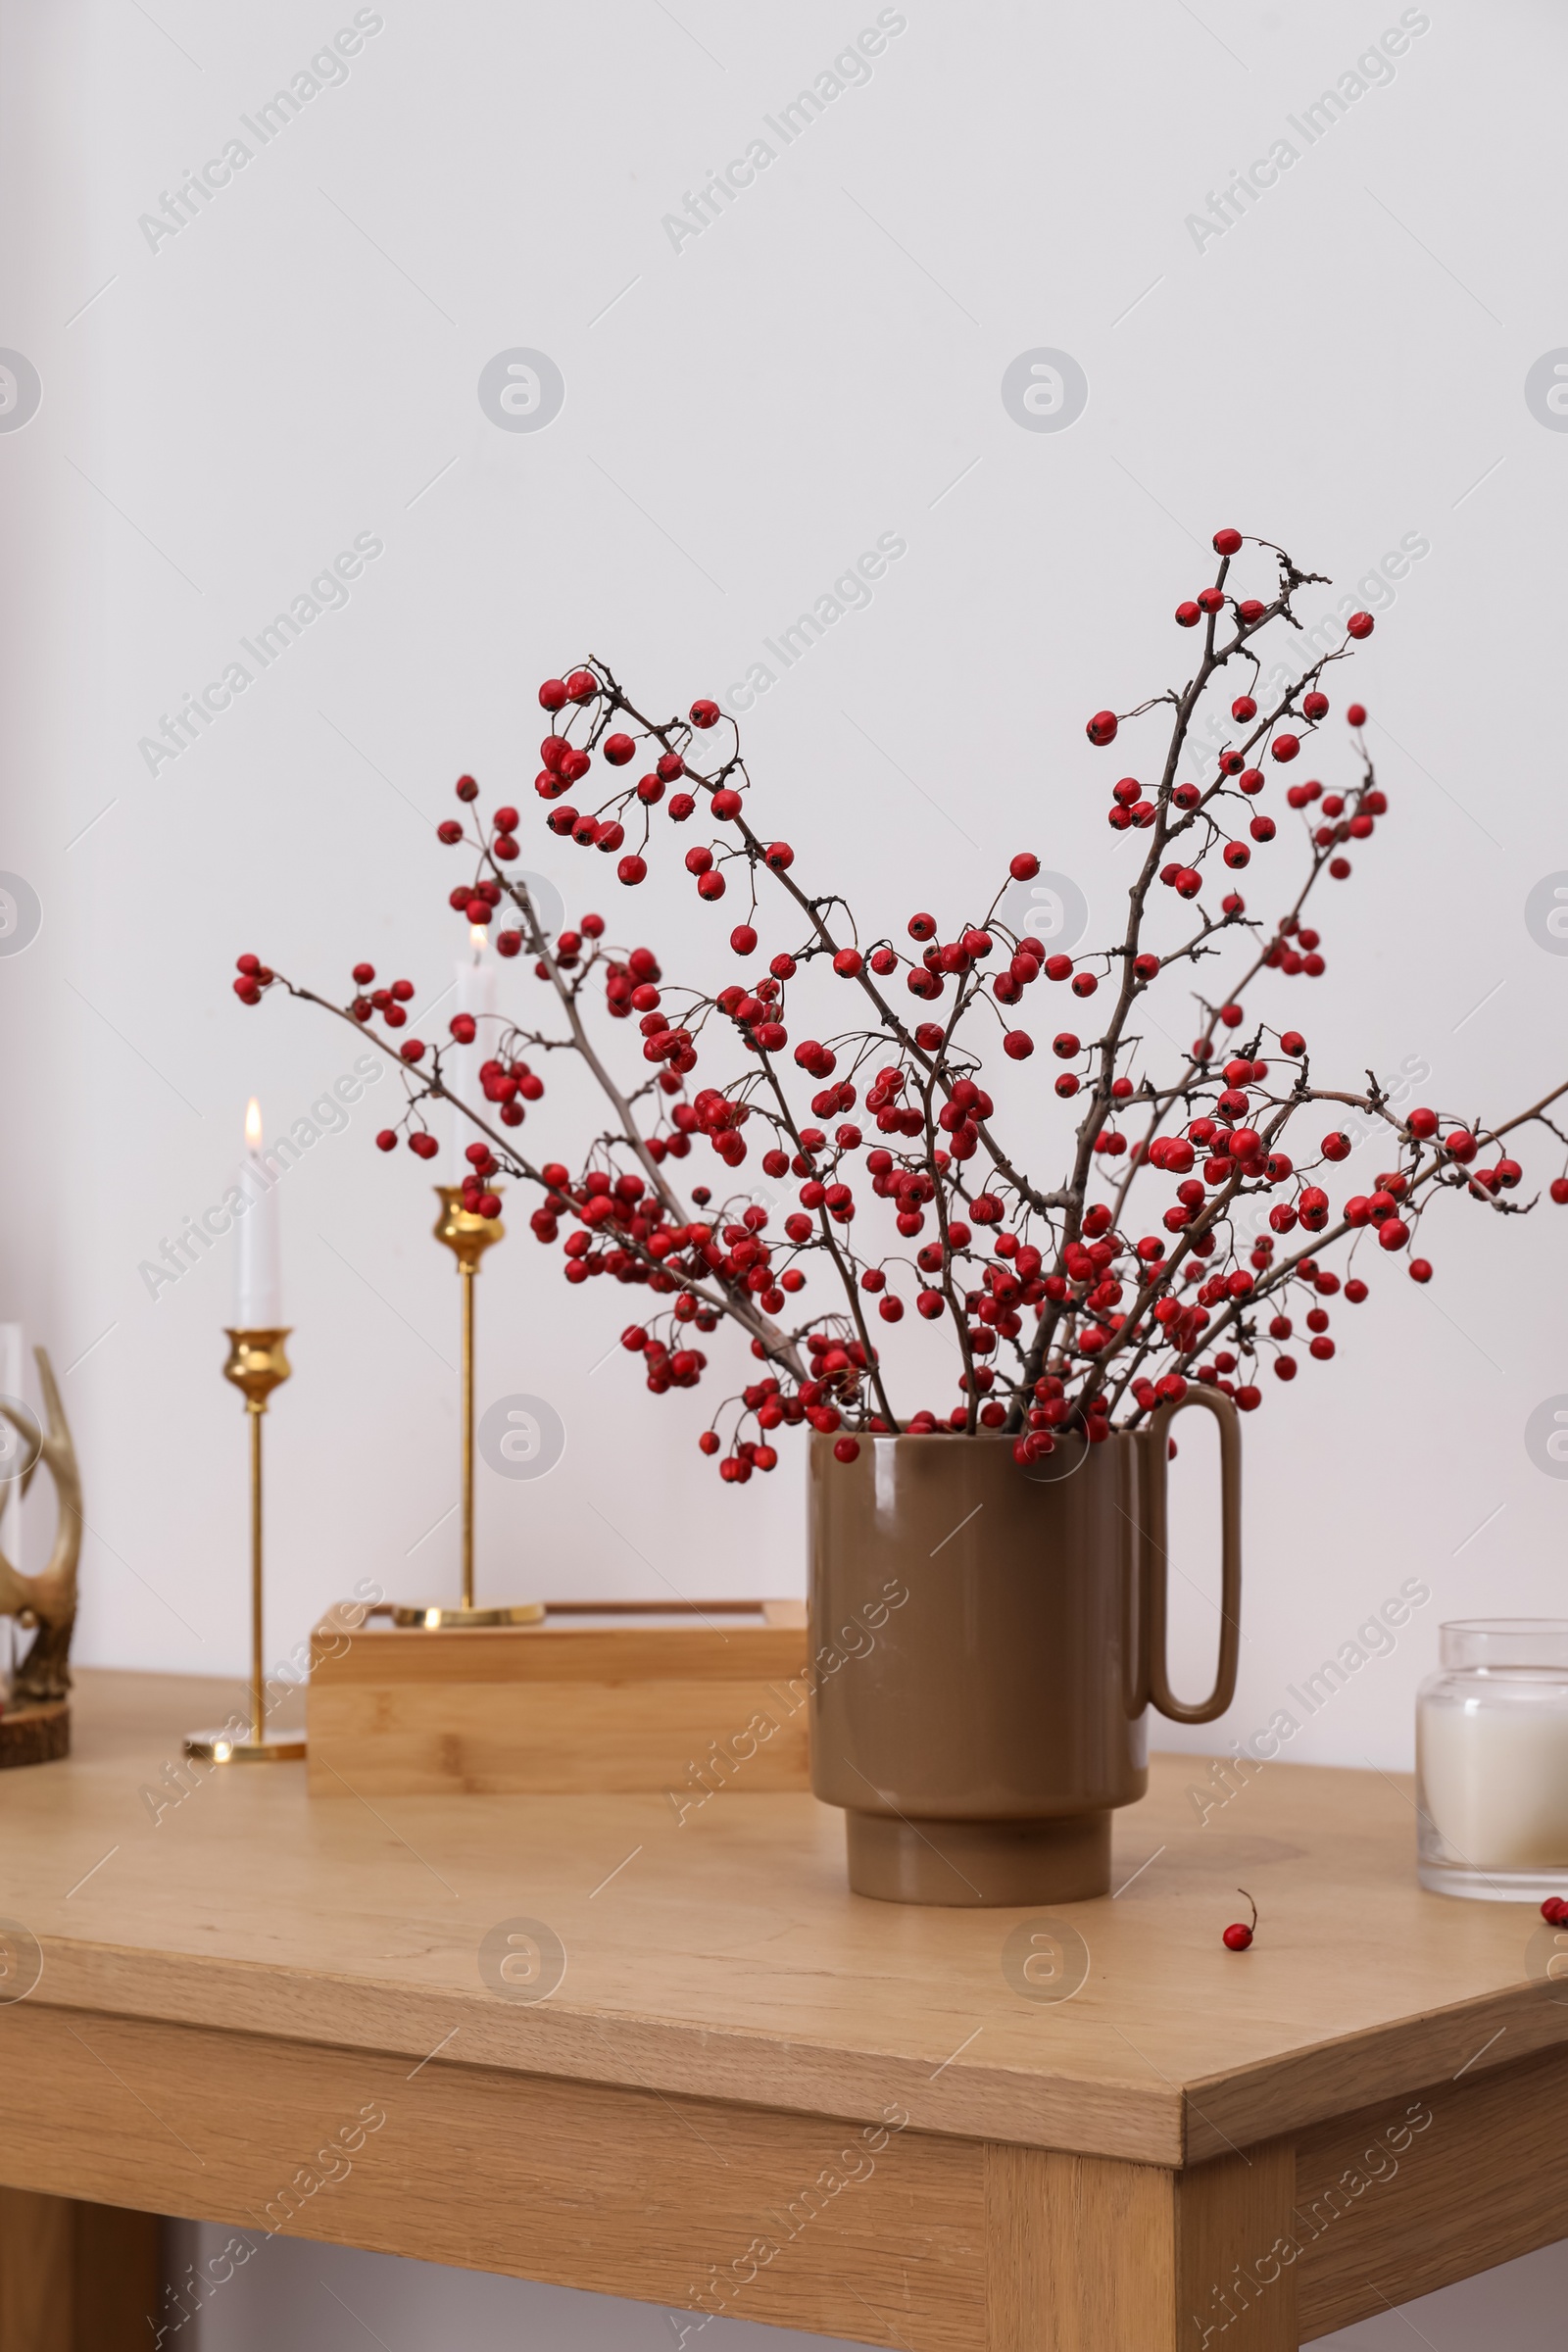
x=724, y=1957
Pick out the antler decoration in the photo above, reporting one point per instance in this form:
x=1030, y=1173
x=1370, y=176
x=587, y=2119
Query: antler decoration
x=47, y=1600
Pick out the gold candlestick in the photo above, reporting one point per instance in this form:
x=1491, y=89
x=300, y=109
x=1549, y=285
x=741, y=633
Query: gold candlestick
x=468, y=1236
x=256, y=1364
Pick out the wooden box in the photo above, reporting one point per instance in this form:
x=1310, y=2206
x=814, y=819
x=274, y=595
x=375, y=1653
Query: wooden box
x=683, y=1698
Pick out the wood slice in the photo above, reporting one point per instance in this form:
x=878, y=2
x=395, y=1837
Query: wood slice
x=35, y=1734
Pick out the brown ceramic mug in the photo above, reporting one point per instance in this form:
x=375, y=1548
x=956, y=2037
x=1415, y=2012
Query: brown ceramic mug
x=986, y=1640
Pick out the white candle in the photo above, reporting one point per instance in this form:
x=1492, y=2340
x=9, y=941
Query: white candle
x=477, y=994
x=1494, y=1776
x=12, y=1356
x=258, y=1273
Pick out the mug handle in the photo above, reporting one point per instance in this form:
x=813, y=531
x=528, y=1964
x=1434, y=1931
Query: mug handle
x=1156, y=1524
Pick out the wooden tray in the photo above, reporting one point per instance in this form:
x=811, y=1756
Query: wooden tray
x=35, y=1733
x=684, y=1697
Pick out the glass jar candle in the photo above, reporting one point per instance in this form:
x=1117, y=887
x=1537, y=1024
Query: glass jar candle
x=1492, y=1761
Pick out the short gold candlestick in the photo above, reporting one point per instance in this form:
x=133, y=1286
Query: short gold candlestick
x=468, y=1236
x=256, y=1365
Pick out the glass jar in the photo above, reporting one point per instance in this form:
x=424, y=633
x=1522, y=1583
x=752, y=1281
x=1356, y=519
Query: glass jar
x=1492, y=1761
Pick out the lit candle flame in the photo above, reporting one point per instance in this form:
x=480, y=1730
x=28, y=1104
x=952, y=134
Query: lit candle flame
x=253, y=1125
x=477, y=937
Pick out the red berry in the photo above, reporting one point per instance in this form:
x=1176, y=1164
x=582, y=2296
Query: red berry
x=552, y=695
x=1420, y=1269
x=1238, y=1935
x=1018, y=1045
x=1210, y=599
x=1554, y=1910
x=846, y=1449
x=1355, y=715
x=726, y=802
x=1237, y=854
x=449, y=830
x=1102, y=728
x=1227, y=542
x=848, y=963
x=468, y=789
x=780, y=856
x=1187, y=616
x=705, y=714
x=708, y=1441
x=1024, y=867
x=464, y=1028
x=743, y=939
x=631, y=870
x=1559, y=1190
x=922, y=926
x=388, y=1140
x=1244, y=707
x=1359, y=625
x=1393, y=1234
x=711, y=886
x=424, y=1144
x=1340, y=868
x=582, y=686
x=1423, y=1123
x=1316, y=706
x=1285, y=747
x=247, y=991
x=619, y=748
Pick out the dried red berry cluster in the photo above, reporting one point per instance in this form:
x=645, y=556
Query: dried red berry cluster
x=1070, y=1313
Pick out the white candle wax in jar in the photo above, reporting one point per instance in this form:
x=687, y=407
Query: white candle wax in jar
x=258, y=1269
x=1491, y=1754
x=477, y=994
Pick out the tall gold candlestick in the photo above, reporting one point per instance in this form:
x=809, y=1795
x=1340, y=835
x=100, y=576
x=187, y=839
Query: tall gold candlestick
x=256, y=1365
x=468, y=1236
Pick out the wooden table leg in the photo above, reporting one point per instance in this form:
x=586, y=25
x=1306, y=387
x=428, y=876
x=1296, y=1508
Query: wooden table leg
x=75, y=2277
x=1086, y=2254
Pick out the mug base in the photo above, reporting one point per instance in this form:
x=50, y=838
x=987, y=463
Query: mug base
x=979, y=1864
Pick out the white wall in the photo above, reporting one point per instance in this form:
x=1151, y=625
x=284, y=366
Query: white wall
x=1345, y=367
x=330, y=2298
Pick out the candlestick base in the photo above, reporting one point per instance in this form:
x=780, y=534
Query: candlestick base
x=441, y=1616
x=225, y=1747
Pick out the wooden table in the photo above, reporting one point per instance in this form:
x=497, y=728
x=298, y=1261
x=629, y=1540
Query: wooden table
x=752, y=2092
